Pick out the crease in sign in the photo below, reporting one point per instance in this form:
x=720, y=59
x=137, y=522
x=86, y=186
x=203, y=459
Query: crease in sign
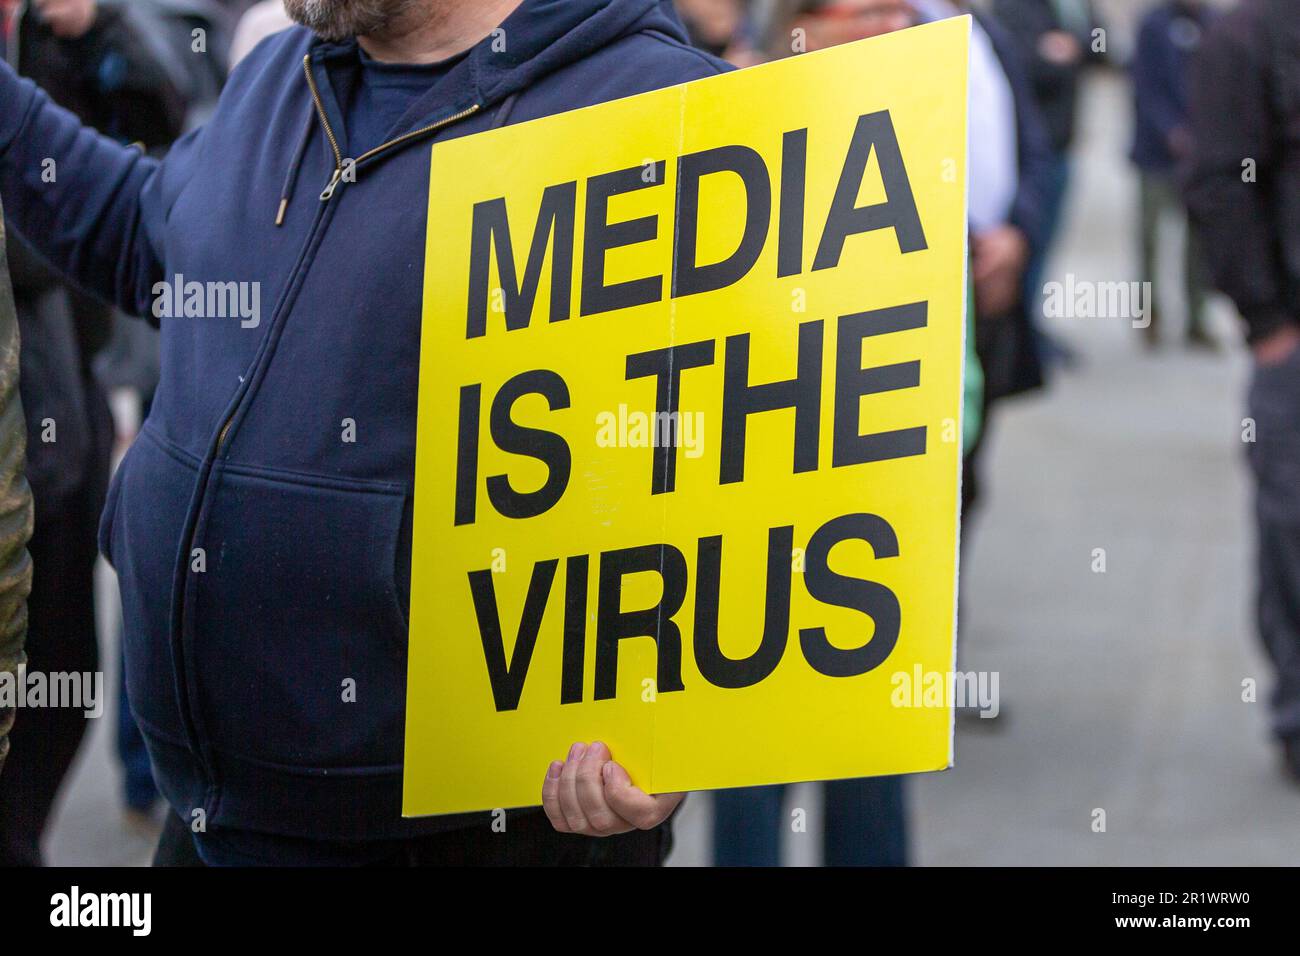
x=674, y=424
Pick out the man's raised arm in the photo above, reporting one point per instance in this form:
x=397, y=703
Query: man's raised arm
x=88, y=204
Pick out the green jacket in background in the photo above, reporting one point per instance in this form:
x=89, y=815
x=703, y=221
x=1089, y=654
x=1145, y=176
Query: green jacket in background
x=972, y=412
x=15, y=502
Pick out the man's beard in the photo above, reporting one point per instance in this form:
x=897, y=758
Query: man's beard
x=340, y=19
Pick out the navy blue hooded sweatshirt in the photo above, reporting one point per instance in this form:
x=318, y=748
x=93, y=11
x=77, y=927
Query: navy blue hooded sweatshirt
x=264, y=560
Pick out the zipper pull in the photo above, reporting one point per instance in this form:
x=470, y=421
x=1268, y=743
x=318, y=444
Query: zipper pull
x=331, y=185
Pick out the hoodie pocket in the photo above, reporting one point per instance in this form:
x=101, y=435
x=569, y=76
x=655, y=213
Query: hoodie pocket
x=108, y=517
x=296, y=634
x=140, y=534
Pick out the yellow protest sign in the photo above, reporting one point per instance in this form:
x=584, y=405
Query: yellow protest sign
x=689, y=432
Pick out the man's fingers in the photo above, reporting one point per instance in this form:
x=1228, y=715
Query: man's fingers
x=633, y=804
x=551, y=797
x=589, y=794
x=601, y=819
x=568, y=789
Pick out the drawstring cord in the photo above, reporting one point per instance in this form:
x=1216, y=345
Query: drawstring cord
x=503, y=113
x=291, y=179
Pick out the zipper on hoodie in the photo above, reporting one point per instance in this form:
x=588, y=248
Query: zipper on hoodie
x=261, y=360
x=339, y=162
x=328, y=192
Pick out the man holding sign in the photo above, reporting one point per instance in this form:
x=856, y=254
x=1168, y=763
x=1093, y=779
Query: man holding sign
x=261, y=525
x=789, y=269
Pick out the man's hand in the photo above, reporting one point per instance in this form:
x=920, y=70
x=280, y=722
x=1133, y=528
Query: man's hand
x=998, y=260
x=1277, y=347
x=1060, y=48
x=1179, y=141
x=588, y=793
x=69, y=19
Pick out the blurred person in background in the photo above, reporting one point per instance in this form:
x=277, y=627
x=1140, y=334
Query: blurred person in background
x=1243, y=192
x=258, y=22
x=1011, y=182
x=720, y=27
x=190, y=40
x=1055, y=40
x=15, y=506
x=1168, y=37
x=93, y=63
x=1009, y=177
x=818, y=24
x=865, y=820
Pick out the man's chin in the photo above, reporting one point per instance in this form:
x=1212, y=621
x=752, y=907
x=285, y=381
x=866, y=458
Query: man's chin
x=330, y=36
x=337, y=20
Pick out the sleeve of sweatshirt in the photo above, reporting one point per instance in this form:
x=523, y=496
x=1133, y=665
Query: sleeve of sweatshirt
x=93, y=207
x=1230, y=124
x=1036, y=164
x=1155, y=98
x=1035, y=157
x=1024, y=23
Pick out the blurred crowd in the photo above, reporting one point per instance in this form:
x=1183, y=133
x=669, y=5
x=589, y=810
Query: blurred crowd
x=1216, y=99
